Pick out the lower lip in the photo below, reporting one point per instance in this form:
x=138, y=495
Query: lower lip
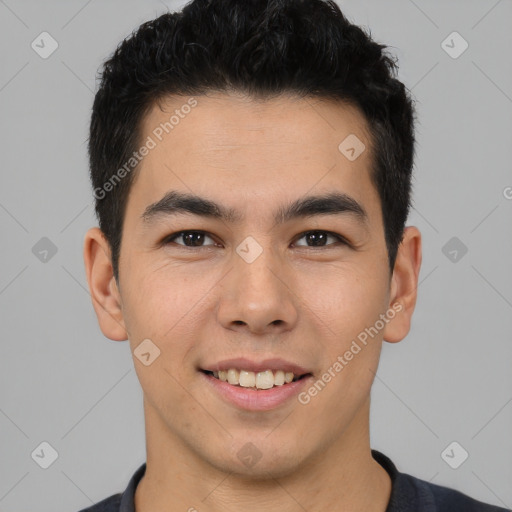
x=256, y=400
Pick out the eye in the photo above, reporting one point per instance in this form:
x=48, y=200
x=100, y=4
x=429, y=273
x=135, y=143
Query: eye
x=319, y=238
x=190, y=238
x=316, y=238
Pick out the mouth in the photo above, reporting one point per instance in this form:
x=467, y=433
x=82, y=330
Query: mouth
x=262, y=380
x=256, y=386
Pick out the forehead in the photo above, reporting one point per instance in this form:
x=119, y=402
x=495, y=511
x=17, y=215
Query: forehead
x=229, y=144
x=223, y=119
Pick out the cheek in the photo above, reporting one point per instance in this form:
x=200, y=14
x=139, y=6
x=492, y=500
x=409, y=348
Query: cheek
x=349, y=309
x=345, y=300
x=157, y=303
x=165, y=307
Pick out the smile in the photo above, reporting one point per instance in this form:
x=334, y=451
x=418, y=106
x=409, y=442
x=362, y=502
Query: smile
x=256, y=380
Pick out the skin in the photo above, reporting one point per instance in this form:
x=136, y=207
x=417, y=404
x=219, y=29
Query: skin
x=202, y=305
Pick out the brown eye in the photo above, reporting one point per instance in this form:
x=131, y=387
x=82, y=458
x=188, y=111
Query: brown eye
x=189, y=238
x=319, y=238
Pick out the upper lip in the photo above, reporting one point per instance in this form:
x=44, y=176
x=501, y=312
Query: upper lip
x=242, y=363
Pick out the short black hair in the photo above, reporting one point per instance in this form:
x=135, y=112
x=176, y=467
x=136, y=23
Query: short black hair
x=262, y=48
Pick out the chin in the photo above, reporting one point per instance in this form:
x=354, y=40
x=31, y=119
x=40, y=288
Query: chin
x=266, y=468
x=258, y=458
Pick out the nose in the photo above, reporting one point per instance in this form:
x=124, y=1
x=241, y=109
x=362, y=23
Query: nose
x=257, y=296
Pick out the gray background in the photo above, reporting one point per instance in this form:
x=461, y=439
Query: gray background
x=62, y=382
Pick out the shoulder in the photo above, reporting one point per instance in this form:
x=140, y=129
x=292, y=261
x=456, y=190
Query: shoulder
x=120, y=502
x=110, y=504
x=445, y=499
x=409, y=493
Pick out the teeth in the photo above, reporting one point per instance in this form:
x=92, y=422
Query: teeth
x=265, y=380
x=260, y=380
x=279, y=378
x=247, y=379
x=233, y=376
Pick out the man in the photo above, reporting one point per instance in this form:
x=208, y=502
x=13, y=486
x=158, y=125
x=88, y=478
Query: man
x=251, y=163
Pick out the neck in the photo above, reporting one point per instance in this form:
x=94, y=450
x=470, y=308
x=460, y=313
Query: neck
x=342, y=476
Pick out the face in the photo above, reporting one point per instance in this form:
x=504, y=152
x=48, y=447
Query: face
x=264, y=280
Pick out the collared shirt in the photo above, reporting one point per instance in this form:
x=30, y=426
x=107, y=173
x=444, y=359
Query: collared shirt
x=408, y=494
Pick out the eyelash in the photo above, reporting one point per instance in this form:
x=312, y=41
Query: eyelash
x=169, y=239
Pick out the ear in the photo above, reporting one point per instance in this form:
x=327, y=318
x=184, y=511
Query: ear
x=105, y=295
x=404, y=285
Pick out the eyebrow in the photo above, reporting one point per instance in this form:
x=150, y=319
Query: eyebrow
x=332, y=203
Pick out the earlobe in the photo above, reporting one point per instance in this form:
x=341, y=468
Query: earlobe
x=105, y=295
x=404, y=285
